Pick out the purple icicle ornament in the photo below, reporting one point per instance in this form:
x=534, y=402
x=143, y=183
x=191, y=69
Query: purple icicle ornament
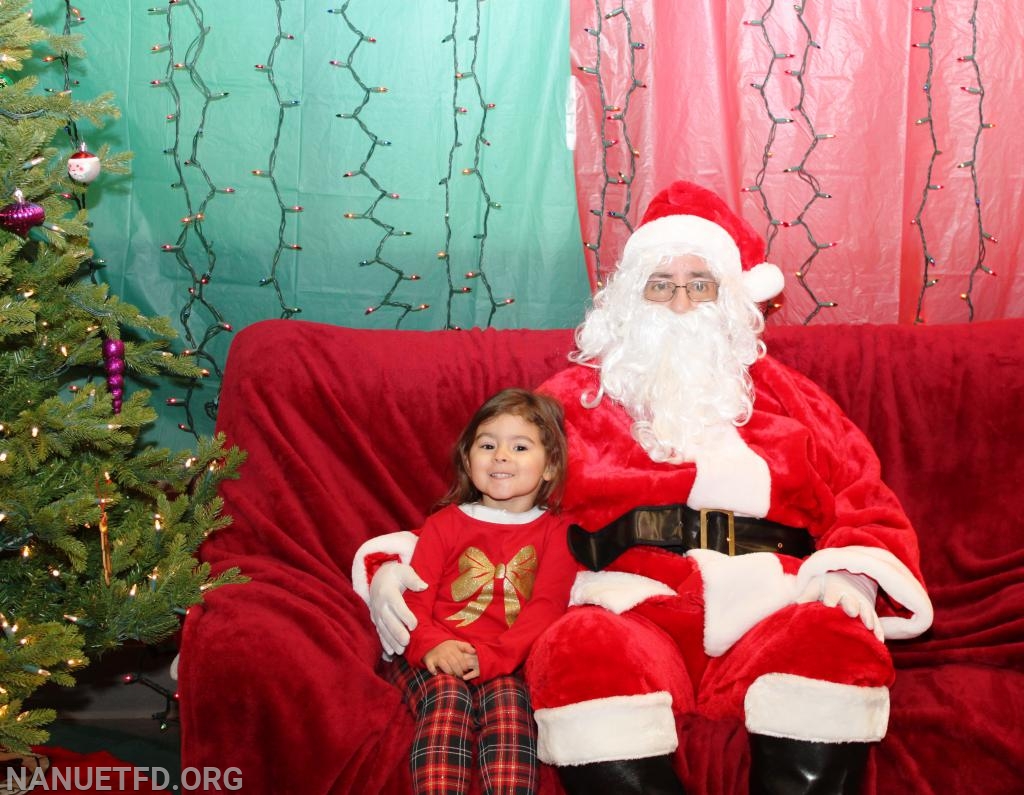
x=113, y=360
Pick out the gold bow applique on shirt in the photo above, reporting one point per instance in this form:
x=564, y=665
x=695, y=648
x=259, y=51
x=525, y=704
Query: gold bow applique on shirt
x=477, y=573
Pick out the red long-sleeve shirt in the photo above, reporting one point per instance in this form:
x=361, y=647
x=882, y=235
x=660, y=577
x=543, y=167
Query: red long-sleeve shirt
x=479, y=576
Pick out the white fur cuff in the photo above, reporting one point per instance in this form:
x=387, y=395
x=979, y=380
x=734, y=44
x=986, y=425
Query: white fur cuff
x=892, y=577
x=617, y=591
x=401, y=543
x=784, y=705
x=606, y=729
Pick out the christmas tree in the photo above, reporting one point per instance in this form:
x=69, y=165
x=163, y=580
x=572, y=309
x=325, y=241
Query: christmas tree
x=97, y=529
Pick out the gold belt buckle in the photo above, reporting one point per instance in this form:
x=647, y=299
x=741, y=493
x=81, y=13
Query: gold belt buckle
x=704, y=528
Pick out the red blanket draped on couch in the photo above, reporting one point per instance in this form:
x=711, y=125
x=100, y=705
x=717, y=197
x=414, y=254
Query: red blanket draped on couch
x=348, y=435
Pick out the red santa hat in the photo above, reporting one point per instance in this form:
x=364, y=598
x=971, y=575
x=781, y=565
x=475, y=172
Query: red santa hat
x=685, y=218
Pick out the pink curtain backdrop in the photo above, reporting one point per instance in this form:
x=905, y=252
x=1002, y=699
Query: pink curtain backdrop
x=669, y=90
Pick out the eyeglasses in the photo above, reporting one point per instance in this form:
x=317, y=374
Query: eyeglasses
x=698, y=291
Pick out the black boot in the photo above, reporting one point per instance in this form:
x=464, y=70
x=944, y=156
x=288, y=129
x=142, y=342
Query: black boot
x=651, y=776
x=779, y=766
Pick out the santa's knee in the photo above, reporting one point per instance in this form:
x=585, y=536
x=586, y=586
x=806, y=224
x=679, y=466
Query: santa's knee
x=592, y=653
x=605, y=687
x=803, y=665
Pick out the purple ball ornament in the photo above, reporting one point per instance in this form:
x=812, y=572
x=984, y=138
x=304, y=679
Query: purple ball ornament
x=21, y=216
x=113, y=360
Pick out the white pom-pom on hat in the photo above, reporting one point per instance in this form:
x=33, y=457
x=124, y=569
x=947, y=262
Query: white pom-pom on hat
x=763, y=282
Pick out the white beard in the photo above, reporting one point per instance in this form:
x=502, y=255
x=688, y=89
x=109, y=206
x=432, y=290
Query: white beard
x=680, y=377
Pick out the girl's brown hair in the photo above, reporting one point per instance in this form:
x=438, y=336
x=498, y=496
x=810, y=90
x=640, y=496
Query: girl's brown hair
x=539, y=410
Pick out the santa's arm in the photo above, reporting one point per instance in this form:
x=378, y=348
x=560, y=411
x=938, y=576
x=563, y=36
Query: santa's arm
x=381, y=575
x=866, y=531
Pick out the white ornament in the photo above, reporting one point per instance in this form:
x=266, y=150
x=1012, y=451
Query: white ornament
x=83, y=166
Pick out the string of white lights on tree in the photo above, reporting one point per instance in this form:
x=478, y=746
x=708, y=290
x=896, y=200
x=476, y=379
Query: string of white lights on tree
x=72, y=18
x=613, y=123
x=113, y=163
x=462, y=115
x=200, y=271
x=285, y=210
x=978, y=90
x=390, y=299
x=802, y=169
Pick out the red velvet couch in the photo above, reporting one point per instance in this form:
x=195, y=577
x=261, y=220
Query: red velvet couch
x=348, y=432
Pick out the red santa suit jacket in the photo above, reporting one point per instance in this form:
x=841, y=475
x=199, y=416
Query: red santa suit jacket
x=496, y=586
x=799, y=461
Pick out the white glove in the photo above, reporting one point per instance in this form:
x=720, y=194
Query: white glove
x=617, y=591
x=388, y=611
x=854, y=593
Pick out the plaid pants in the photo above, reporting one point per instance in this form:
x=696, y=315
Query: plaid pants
x=449, y=712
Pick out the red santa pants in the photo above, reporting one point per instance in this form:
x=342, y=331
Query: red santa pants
x=608, y=686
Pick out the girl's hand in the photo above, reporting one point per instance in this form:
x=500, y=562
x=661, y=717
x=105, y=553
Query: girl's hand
x=474, y=667
x=455, y=657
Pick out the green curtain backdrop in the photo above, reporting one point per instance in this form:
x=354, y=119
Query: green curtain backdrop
x=214, y=117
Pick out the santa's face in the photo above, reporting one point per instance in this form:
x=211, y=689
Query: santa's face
x=681, y=283
x=679, y=367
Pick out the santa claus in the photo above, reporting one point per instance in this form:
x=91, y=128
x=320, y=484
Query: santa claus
x=741, y=555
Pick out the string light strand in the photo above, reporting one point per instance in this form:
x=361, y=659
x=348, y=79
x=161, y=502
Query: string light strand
x=461, y=116
x=285, y=210
x=927, y=122
x=196, y=208
x=802, y=170
x=614, y=122
x=387, y=231
x=977, y=90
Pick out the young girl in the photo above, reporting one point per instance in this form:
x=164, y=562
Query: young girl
x=496, y=558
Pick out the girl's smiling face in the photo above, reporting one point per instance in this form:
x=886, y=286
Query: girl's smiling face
x=508, y=463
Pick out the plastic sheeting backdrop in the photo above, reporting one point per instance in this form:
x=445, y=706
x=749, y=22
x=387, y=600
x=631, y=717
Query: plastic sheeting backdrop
x=450, y=116
x=877, y=145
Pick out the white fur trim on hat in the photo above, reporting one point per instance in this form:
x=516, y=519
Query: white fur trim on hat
x=892, y=577
x=607, y=729
x=676, y=235
x=800, y=708
x=400, y=544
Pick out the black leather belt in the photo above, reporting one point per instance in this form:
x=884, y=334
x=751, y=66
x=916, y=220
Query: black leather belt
x=680, y=528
